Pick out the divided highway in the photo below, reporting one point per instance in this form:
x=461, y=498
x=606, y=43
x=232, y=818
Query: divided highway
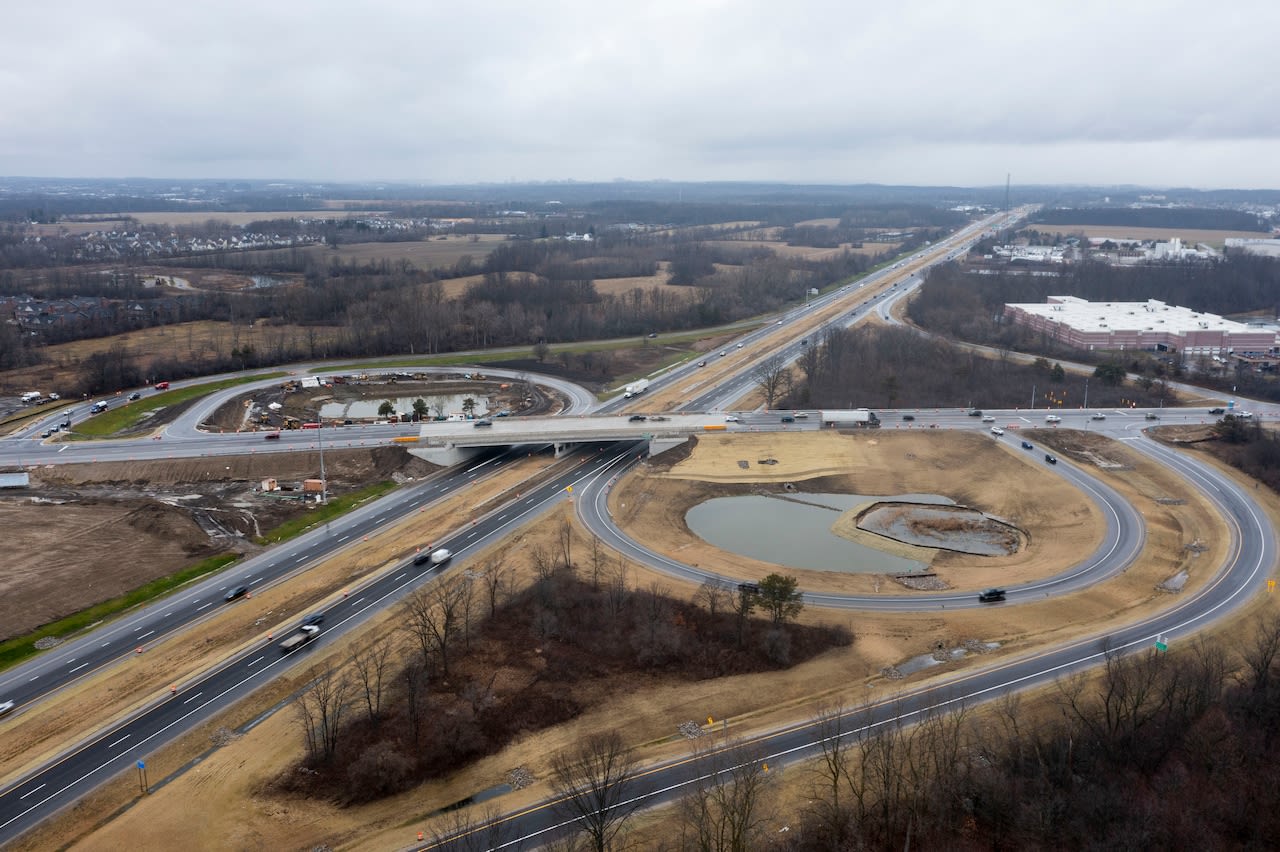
x=121, y=747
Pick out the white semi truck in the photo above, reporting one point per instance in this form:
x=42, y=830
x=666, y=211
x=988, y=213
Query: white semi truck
x=858, y=418
x=636, y=388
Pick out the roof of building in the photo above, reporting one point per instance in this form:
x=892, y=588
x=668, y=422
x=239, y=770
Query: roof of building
x=1152, y=315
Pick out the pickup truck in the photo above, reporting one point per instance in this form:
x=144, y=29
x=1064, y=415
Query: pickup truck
x=302, y=636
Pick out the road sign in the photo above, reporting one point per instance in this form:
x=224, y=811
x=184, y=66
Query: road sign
x=1161, y=645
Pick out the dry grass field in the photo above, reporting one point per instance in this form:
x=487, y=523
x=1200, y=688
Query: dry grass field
x=806, y=252
x=194, y=341
x=423, y=254
x=230, y=778
x=1217, y=239
x=73, y=226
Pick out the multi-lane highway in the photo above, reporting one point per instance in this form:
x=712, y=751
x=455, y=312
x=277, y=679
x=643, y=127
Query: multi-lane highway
x=1253, y=555
x=120, y=747
x=1251, y=558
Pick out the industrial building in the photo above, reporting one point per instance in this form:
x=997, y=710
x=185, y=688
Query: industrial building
x=1150, y=325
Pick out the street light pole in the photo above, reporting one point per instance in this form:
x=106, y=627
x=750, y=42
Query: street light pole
x=324, y=483
x=1086, y=393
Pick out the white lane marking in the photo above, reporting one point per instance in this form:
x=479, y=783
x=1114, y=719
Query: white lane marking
x=344, y=538
x=299, y=559
x=193, y=698
x=255, y=662
x=400, y=577
x=145, y=635
x=32, y=790
x=117, y=742
x=204, y=606
x=78, y=668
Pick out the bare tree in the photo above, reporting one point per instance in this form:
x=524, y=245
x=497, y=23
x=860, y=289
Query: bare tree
x=769, y=377
x=725, y=809
x=714, y=594
x=321, y=707
x=466, y=831
x=564, y=534
x=434, y=616
x=1261, y=650
x=373, y=668
x=497, y=580
x=592, y=783
x=414, y=680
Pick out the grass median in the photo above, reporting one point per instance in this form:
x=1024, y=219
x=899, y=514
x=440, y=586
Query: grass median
x=321, y=514
x=130, y=414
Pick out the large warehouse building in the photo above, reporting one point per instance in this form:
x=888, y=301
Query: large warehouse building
x=1141, y=325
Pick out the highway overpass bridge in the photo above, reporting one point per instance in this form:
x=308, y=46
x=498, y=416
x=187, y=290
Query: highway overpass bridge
x=451, y=442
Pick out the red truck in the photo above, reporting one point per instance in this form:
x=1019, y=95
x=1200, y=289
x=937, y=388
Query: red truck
x=162, y=385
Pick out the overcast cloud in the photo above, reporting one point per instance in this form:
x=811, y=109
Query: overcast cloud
x=1156, y=93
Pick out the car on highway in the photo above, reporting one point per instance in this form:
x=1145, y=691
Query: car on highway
x=46, y=433
x=731, y=418
x=237, y=592
x=1053, y=418
x=1151, y=415
x=987, y=418
x=1097, y=415
x=1217, y=411
x=991, y=596
x=976, y=412
x=133, y=397
x=1051, y=459
x=997, y=431
x=800, y=415
x=313, y=620
x=1242, y=415
x=702, y=363
x=637, y=418
x=480, y=424
x=5, y=707
x=908, y=417
x=271, y=436
x=722, y=354
x=787, y=418
x=739, y=345
x=1026, y=445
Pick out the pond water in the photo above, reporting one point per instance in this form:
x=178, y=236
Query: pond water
x=363, y=409
x=795, y=530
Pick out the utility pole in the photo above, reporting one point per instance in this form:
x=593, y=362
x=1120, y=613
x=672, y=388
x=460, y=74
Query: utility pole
x=1086, y=393
x=1033, y=397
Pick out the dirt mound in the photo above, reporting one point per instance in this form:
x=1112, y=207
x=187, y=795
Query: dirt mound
x=174, y=525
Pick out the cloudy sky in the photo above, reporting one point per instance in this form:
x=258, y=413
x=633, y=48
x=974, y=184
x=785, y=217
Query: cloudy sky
x=1127, y=91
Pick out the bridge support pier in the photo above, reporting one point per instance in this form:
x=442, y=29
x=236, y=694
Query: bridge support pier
x=446, y=456
x=661, y=445
x=562, y=449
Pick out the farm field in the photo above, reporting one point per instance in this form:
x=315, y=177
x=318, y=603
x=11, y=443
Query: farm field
x=196, y=341
x=805, y=252
x=423, y=254
x=1217, y=239
x=108, y=222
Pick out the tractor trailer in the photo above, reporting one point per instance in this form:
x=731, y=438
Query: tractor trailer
x=858, y=418
x=636, y=388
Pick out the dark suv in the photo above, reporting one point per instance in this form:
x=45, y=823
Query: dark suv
x=991, y=596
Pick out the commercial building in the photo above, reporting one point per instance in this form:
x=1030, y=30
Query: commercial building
x=1151, y=325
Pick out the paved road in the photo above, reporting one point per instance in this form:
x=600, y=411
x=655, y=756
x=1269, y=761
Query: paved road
x=118, y=748
x=1250, y=560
